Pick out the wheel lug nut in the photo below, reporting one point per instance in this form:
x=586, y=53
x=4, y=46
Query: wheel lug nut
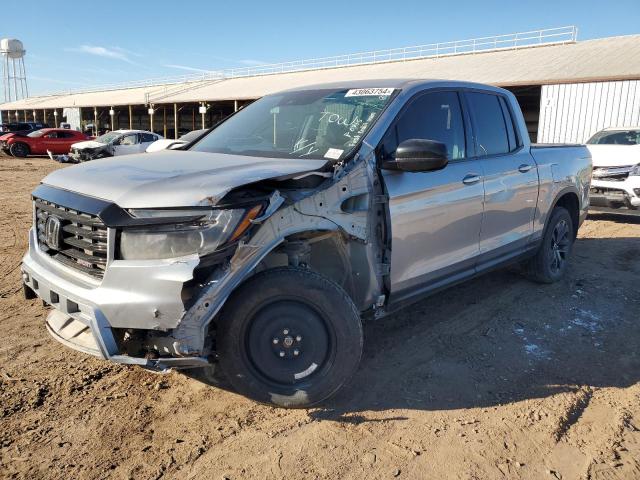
x=286, y=331
x=298, y=338
x=296, y=353
x=281, y=353
x=275, y=341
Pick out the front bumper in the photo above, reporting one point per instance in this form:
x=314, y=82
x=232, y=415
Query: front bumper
x=85, y=155
x=613, y=194
x=141, y=295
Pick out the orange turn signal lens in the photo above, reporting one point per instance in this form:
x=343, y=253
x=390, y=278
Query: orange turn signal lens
x=246, y=222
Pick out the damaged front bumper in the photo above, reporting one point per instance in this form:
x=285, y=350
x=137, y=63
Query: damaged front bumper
x=89, y=313
x=615, y=194
x=78, y=155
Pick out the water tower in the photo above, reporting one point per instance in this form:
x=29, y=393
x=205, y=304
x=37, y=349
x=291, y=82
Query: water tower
x=14, y=75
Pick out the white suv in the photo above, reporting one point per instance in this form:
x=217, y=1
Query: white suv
x=111, y=144
x=616, y=168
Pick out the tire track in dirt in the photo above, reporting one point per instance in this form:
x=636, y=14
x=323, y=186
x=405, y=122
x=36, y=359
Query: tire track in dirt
x=573, y=413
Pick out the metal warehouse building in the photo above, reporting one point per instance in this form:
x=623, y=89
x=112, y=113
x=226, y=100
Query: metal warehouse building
x=568, y=89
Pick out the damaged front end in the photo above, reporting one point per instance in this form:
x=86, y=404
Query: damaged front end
x=290, y=181
x=85, y=154
x=144, y=286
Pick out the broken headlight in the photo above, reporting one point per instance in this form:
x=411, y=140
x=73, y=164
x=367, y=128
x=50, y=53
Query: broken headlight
x=200, y=234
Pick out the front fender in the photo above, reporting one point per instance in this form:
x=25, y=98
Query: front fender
x=321, y=211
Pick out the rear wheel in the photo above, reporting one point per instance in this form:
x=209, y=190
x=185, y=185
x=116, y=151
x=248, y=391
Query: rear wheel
x=289, y=337
x=19, y=149
x=550, y=262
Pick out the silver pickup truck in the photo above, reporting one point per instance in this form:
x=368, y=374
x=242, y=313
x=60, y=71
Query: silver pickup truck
x=263, y=245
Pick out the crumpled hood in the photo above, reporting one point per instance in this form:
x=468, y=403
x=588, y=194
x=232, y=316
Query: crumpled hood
x=614, y=155
x=88, y=144
x=172, y=178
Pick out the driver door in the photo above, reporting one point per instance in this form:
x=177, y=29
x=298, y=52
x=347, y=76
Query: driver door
x=127, y=144
x=53, y=142
x=435, y=216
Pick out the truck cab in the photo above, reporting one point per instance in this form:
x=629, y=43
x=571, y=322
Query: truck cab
x=264, y=245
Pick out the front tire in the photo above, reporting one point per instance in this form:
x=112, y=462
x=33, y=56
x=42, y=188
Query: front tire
x=551, y=261
x=289, y=337
x=19, y=150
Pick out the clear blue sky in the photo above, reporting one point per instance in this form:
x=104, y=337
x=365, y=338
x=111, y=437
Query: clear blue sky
x=71, y=44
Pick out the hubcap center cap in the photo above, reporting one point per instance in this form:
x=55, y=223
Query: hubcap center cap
x=288, y=341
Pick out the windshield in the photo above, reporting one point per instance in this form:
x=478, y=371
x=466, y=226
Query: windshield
x=616, y=137
x=108, y=137
x=315, y=124
x=37, y=133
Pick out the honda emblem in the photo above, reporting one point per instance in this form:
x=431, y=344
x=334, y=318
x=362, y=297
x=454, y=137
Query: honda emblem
x=53, y=232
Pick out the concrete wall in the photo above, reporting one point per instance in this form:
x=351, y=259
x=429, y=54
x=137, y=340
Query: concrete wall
x=572, y=113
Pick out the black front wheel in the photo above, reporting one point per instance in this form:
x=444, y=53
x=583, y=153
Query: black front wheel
x=19, y=150
x=289, y=337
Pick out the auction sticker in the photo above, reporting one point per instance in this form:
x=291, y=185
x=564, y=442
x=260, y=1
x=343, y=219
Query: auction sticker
x=369, y=92
x=333, y=153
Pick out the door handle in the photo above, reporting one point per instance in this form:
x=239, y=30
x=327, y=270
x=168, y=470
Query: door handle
x=524, y=168
x=471, y=179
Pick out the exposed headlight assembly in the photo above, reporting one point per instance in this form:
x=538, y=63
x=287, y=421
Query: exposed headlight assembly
x=635, y=170
x=200, y=233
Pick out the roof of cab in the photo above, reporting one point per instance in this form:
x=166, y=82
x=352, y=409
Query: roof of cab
x=400, y=83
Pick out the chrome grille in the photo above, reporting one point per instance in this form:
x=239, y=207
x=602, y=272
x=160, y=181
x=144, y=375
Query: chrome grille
x=82, y=242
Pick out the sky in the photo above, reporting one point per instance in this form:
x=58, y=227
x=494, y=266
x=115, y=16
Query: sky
x=72, y=45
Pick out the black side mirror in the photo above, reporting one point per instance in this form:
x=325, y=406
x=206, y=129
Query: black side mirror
x=418, y=155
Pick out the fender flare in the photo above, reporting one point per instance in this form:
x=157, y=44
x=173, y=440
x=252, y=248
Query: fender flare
x=559, y=195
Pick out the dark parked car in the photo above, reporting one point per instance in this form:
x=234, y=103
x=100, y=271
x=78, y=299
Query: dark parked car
x=21, y=127
x=171, y=132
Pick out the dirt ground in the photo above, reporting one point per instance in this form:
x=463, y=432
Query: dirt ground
x=496, y=378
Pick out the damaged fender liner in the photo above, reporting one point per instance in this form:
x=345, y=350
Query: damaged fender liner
x=322, y=210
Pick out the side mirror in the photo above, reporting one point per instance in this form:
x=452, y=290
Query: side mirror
x=418, y=155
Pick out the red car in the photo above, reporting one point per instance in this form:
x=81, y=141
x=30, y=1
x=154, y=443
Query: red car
x=55, y=140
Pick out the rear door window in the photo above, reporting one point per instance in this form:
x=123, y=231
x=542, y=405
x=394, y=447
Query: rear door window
x=489, y=124
x=511, y=131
